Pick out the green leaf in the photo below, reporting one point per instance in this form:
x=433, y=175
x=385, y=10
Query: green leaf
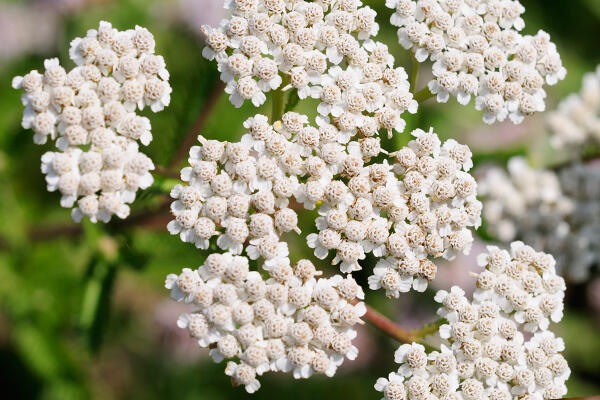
x=95, y=307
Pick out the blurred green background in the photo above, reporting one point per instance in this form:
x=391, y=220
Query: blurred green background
x=83, y=310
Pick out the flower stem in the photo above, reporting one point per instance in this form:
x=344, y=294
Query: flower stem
x=278, y=100
x=423, y=95
x=394, y=330
x=277, y=110
x=166, y=172
x=388, y=327
x=414, y=73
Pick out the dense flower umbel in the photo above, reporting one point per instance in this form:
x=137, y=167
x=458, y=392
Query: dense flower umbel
x=422, y=205
x=484, y=352
x=301, y=39
x=553, y=210
x=288, y=322
x=576, y=122
x=478, y=52
x=94, y=105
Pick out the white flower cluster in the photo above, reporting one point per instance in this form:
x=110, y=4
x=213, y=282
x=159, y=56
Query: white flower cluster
x=554, y=211
x=581, y=184
x=323, y=50
x=102, y=181
x=524, y=202
x=93, y=106
x=288, y=322
x=240, y=191
x=576, y=122
x=478, y=51
x=484, y=352
x=422, y=205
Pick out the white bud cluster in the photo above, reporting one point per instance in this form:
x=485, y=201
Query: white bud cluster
x=301, y=39
x=94, y=106
x=484, y=352
x=576, y=122
x=290, y=322
x=100, y=182
x=240, y=191
x=556, y=211
x=524, y=202
x=367, y=97
x=323, y=50
x=422, y=205
x=478, y=51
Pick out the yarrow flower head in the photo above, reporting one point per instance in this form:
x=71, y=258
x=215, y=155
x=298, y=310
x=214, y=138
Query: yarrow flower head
x=576, y=121
x=477, y=51
x=290, y=322
x=93, y=107
x=553, y=210
x=484, y=352
x=432, y=215
x=298, y=38
x=240, y=191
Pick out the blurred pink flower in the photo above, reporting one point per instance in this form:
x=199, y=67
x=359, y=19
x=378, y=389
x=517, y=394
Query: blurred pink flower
x=174, y=341
x=458, y=271
x=366, y=350
x=26, y=29
x=200, y=12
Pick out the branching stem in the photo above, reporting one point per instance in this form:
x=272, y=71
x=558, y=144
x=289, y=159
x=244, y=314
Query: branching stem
x=394, y=330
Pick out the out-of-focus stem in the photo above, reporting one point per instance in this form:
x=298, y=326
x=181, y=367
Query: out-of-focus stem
x=166, y=172
x=414, y=73
x=191, y=135
x=423, y=95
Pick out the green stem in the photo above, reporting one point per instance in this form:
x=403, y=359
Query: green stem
x=278, y=96
x=414, y=73
x=277, y=110
x=423, y=95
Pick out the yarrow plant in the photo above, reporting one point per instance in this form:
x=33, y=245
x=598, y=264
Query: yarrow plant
x=395, y=212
